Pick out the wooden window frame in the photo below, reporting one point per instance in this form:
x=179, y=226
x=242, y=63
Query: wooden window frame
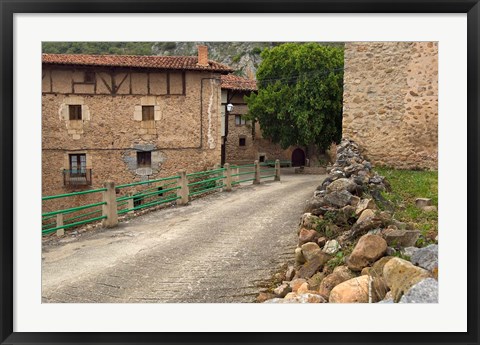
x=148, y=115
x=144, y=159
x=242, y=121
x=81, y=164
x=75, y=112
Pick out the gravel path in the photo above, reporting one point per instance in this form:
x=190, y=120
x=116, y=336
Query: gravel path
x=217, y=249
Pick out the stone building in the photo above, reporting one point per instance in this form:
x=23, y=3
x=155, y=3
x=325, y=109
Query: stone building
x=127, y=118
x=390, y=102
x=242, y=140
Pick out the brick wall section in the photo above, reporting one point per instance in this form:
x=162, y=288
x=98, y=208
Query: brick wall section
x=179, y=136
x=391, y=102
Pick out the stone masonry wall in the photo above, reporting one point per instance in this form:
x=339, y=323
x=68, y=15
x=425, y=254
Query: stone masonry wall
x=183, y=135
x=390, y=102
x=256, y=145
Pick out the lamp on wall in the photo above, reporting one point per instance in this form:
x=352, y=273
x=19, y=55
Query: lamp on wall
x=229, y=107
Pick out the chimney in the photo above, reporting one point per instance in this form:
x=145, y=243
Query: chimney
x=202, y=56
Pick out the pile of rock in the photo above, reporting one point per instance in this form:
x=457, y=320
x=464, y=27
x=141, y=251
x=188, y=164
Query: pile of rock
x=349, y=250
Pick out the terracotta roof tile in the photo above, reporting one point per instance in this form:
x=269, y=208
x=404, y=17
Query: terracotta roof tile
x=233, y=82
x=135, y=61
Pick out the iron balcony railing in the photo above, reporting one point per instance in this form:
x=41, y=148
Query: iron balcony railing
x=77, y=177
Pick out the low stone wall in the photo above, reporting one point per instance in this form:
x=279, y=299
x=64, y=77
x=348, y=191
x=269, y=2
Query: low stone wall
x=350, y=251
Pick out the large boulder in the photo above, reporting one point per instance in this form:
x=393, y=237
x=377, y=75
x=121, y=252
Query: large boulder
x=299, y=259
x=290, y=273
x=354, y=290
x=307, y=235
x=338, y=199
x=342, y=184
x=365, y=204
x=296, y=283
x=369, y=220
x=331, y=247
x=400, y=275
x=315, y=281
x=313, y=265
x=282, y=290
x=377, y=268
x=339, y=275
x=401, y=238
x=310, y=250
x=315, y=203
x=426, y=257
x=425, y=291
x=309, y=221
x=369, y=249
x=365, y=215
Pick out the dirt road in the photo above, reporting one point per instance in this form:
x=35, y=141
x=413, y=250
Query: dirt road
x=217, y=249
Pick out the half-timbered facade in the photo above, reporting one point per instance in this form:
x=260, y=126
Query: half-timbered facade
x=127, y=118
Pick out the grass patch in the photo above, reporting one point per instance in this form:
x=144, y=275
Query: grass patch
x=407, y=185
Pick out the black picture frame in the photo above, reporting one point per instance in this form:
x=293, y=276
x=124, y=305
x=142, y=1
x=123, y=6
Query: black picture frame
x=9, y=8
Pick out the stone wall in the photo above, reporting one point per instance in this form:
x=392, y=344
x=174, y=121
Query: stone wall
x=182, y=135
x=390, y=102
x=255, y=145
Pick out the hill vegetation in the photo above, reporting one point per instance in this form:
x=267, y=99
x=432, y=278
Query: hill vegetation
x=244, y=57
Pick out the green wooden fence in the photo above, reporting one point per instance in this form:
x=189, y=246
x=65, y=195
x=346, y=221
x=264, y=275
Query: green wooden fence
x=179, y=188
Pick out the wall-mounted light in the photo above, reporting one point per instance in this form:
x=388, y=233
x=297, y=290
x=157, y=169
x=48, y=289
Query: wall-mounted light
x=229, y=107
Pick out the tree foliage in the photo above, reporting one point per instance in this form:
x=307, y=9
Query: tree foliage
x=113, y=48
x=300, y=91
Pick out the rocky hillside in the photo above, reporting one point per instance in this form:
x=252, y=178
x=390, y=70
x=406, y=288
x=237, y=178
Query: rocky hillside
x=244, y=57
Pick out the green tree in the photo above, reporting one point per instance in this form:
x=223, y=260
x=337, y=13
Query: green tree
x=300, y=91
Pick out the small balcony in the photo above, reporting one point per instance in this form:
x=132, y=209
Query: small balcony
x=77, y=177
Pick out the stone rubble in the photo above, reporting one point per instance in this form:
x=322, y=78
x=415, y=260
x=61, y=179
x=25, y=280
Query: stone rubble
x=347, y=213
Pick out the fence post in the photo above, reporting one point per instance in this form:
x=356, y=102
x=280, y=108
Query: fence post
x=217, y=166
x=277, y=170
x=110, y=208
x=257, y=173
x=130, y=204
x=60, y=232
x=228, y=181
x=183, y=191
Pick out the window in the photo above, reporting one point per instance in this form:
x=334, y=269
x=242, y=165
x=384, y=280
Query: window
x=147, y=113
x=89, y=77
x=262, y=158
x=242, y=141
x=239, y=121
x=144, y=159
x=78, y=164
x=77, y=174
x=75, y=112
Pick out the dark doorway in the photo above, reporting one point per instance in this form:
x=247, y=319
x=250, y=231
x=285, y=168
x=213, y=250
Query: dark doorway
x=298, y=158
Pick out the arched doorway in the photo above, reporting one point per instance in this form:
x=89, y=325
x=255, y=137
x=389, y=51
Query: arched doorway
x=298, y=158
